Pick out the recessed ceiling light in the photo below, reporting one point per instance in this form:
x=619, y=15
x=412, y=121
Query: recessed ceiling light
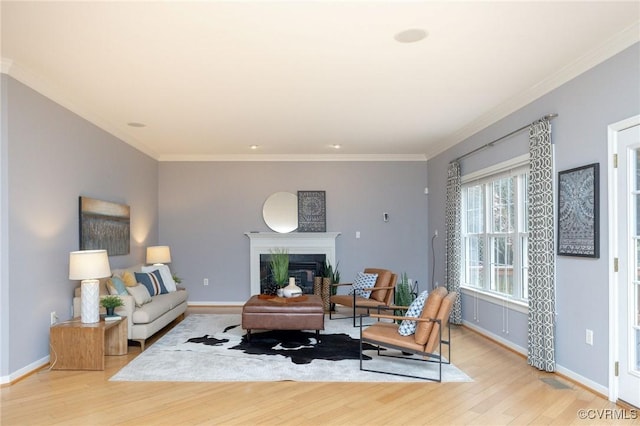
x=254, y=146
x=136, y=124
x=411, y=35
x=336, y=146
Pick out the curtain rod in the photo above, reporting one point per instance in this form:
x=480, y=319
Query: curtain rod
x=493, y=142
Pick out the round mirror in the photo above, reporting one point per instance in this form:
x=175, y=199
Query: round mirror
x=280, y=212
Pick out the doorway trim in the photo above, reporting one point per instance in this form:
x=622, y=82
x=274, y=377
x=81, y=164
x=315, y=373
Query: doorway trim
x=614, y=327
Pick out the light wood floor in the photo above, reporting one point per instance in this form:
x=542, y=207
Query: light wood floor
x=504, y=391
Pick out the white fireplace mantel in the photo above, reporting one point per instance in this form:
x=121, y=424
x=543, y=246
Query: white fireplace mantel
x=293, y=242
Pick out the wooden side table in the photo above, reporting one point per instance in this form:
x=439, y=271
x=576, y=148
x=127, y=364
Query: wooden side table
x=79, y=346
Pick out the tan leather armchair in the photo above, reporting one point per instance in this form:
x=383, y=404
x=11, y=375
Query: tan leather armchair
x=426, y=342
x=381, y=295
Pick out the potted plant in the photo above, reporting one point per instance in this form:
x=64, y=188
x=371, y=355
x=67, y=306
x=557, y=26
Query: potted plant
x=331, y=276
x=280, y=266
x=176, y=279
x=111, y=303
x=404, y=295
x=335, y=279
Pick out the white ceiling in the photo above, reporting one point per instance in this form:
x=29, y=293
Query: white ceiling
x=211, y=78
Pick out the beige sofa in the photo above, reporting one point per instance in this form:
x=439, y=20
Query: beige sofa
x=146, y=319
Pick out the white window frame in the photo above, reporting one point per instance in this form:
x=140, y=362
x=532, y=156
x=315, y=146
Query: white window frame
x=511, y=167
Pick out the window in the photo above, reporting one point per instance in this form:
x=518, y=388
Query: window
x=494, y=233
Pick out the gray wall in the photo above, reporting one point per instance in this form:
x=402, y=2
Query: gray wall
x=206, y=207
x=586, y=105
x=52, y=157
x=4, y=232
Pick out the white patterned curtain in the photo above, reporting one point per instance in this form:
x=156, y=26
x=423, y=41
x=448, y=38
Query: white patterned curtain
x=541, y=346
x=452, y=253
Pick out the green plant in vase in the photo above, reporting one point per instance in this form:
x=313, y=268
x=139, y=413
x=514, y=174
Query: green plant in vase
x=403, y=296
x=280, y=267
x=331, y=276
x=111, y=303
x=335, y=278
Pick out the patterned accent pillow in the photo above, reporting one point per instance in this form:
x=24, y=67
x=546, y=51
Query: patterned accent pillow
x=165, y=273
x=363, y=283
x=152, y=281
x=408, y=327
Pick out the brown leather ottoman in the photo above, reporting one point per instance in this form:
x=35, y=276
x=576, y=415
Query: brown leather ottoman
x=306, y=313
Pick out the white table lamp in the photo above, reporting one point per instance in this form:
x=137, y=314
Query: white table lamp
x=158, y=255
x=88, y=266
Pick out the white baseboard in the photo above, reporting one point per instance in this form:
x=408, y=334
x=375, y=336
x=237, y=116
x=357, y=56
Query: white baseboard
x=595, y=387
x=587, y=383
x=196, y=303
x=24, y=371
x=501, y=340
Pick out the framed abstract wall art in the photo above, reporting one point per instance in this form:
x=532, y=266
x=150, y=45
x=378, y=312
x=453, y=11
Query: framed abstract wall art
x=578, y=210
x=104, y=226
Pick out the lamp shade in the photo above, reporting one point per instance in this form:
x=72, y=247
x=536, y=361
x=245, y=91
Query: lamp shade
x=88, y=264
x=158, y=254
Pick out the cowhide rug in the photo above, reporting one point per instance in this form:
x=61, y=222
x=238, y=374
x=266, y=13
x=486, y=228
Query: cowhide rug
x=214, y=348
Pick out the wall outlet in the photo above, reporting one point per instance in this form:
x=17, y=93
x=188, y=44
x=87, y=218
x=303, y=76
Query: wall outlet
x=205, y=281
x=589, y=337
x=54, y=317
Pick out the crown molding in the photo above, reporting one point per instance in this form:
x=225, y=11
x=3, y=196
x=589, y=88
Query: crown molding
x=599, y=54
x=614, y=45
x=52, y=92
x=5, y=65
x=297, y=157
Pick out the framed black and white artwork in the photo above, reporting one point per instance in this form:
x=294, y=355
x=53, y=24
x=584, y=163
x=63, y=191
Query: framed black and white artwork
x=578, y=209
x=312, y=211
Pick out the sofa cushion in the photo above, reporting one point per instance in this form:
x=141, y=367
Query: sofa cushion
x=152, y=281
x=158, y=306
x=165, y=273
x=140, y=294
